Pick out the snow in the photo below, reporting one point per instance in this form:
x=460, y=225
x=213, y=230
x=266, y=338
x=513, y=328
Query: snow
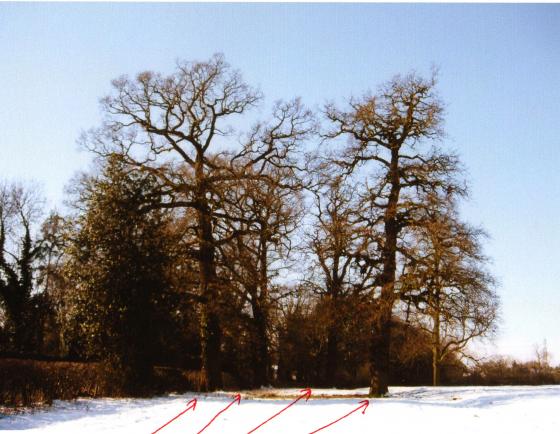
x=406, y=410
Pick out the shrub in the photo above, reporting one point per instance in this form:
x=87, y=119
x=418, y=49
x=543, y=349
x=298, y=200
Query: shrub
x=26, y=383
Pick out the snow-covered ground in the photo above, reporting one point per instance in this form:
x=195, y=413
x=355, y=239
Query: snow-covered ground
x=407, y=410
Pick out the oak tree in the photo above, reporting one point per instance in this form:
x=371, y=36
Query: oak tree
x=392, y=135
x=178, y=128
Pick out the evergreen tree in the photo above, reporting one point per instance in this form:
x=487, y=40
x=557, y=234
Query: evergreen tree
x=19, y=210
x=117, y=268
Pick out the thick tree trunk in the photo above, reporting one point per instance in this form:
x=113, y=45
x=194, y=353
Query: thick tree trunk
x=380, y=352
x=260, y=313
x=381, y=333
x=333, y=331
x=436, y=345
x=212, y=358
x=211, y=342
x=435, y=366
x=211, y=333
x=261, y=355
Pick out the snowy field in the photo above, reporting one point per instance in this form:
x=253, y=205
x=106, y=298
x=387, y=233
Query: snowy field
x=407, y=410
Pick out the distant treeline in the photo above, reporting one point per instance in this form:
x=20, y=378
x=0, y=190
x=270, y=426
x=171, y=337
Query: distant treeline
x=504, y=371
x=310, y=249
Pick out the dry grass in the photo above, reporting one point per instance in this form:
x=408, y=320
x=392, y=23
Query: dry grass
x=275, y=394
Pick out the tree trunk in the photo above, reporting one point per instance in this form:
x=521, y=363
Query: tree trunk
x=211, y=336
x=260, y=312
x=380, y=347
x=436, y=344
x=212, y=366
x=435, y=366
x=262, y=358
x=381, y=333
x=333, y=330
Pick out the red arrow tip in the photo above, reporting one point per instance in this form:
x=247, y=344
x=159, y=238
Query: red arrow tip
x=365, y=404
x=191, y=404
x=237, y=398
x=306, y=393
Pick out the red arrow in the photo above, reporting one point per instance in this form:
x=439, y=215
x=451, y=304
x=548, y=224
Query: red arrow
x=306, y=395
x=236, y=398
x=190, y=405
x=363, y=403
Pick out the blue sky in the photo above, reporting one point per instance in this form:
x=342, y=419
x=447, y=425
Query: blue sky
x=499, y=75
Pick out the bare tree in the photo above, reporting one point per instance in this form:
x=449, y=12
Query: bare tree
x=542, y=358
x=269, y=210
x=390, y=134
x=54, y=239
x=175, y=127
x=337, y=243
x=446, y=280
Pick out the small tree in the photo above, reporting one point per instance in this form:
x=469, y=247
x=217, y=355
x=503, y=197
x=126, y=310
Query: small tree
x=542, y=358
x=446, y=280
